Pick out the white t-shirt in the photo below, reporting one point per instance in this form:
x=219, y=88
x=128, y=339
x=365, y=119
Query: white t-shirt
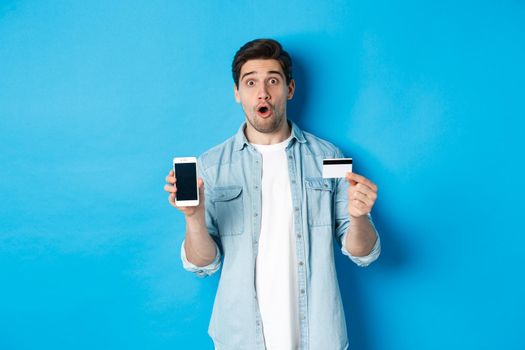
x=276, y=274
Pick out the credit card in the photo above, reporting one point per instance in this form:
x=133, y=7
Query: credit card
x=333, y=168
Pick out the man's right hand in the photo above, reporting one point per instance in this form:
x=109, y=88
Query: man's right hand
x=171, y=188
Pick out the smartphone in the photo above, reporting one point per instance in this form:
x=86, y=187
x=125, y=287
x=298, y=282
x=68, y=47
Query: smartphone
x=185, y=169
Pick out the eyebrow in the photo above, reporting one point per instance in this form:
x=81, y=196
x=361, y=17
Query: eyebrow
x=269, y=72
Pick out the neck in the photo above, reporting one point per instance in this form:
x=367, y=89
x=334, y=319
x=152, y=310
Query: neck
x=260, y=138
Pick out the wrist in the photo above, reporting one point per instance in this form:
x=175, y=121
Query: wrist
x=357, y=222
x=195, y=220
x=197, y=214
x=359, y=217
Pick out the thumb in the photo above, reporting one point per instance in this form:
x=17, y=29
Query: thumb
x=348, y=178
x=200, y=185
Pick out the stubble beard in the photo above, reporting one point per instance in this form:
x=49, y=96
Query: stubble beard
x=269, y=125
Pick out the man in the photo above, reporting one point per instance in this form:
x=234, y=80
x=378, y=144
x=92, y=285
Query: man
x=269, y=219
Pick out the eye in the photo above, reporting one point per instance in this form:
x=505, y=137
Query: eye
x=273, y=81
x=250, y=83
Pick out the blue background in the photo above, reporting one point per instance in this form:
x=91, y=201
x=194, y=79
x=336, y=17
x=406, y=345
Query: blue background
x=96, y=97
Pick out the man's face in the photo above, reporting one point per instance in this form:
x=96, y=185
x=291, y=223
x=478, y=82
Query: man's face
x=263, y=94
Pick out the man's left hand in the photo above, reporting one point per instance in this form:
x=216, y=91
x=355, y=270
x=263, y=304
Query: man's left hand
x=362, y=195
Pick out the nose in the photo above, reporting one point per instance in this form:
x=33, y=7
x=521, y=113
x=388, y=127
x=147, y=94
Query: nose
x=263, y=94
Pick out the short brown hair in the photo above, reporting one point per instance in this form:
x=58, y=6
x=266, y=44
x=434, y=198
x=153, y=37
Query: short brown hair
x=262, y=49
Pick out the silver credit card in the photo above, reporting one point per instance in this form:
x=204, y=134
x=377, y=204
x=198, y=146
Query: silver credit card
x=337, y=167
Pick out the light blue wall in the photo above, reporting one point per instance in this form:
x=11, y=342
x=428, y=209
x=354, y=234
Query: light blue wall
x=96, y=97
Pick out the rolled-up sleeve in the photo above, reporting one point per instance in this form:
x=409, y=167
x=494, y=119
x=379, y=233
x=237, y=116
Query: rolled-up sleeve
x=363, y=261
x=201, y=271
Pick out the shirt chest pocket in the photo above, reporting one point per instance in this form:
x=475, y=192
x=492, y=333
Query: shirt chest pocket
x=228, y=210
x=319, y=201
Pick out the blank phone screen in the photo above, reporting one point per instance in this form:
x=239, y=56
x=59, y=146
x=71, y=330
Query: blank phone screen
x=186, y=174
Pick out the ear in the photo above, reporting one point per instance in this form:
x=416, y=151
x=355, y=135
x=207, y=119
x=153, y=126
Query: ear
x=291, y=89
x=236, y=93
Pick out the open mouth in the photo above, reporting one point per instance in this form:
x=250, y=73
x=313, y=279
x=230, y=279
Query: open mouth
x=264, y=111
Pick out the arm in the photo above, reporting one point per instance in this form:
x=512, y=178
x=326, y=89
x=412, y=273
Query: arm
x=199, y=252
x=199, y=247
x=354, y=228
x=361, y=236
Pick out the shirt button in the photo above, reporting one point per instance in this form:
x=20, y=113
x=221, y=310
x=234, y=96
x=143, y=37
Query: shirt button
x=301, y=263
x=256, y=187
x=255, y=214
x=302, y=291
x=299, y=236
x=290, y=157
x=293, y=182
x=296, y=208
x=258, y=323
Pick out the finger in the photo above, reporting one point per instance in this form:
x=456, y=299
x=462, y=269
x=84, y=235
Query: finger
x=367, y=191
x=361, y=206
x=170, y=179
x=171, y=199
x=363, y=198
x=359, y=187
x=361, y=192
x=171, y=189
x=200, y=185
x=369, y=185
x=360, y=179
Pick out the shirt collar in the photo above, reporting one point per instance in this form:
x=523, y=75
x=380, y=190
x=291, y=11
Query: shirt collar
x=241, y=140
